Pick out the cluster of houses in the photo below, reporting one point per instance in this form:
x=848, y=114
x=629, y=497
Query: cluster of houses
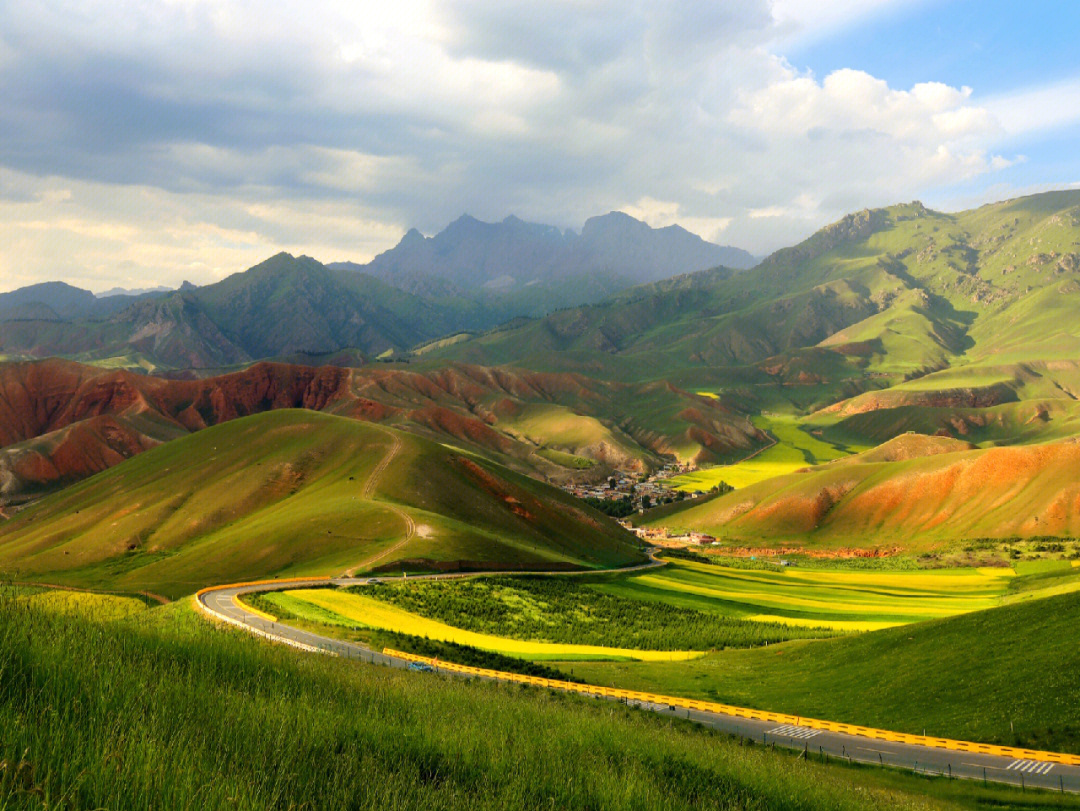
x=662, y=536
x=644, y=491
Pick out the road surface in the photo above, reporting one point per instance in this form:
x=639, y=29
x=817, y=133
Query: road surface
x=816, y=744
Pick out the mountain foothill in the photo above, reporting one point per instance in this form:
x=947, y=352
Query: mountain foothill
x=901, y=324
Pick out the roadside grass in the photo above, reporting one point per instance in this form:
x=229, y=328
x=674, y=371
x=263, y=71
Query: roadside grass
x=578, y=610
x=1008, y=675
x=165, y=711
x=104, y=607
x=346, y=608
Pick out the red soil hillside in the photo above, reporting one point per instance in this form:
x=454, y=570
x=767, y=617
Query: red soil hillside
x=61, y=421
x=913, y=492
x=979, y=397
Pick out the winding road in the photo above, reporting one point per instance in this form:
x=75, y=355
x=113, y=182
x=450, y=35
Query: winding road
x=1028, y=770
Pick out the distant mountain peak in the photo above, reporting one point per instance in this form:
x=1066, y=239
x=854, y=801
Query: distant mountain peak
x=412, y=237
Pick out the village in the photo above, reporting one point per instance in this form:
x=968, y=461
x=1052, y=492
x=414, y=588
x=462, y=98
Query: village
x=625, y=494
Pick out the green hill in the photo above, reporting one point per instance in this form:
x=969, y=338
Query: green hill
x=163, y=711
x=1007, y=675
x=876, y=298
x=914, y=492
x=295, y=492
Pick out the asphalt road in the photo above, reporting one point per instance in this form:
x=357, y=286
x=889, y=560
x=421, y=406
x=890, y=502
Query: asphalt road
x=816, y=744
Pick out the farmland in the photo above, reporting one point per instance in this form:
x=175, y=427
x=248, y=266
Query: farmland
x=794, y=449
x=667, y=613
x=1008, y=675
x=845, y=600
x=336, y=607
x=579, y=610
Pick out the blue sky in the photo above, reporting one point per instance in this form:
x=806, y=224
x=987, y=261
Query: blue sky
x=991, y=45
x=150, y=143
x=994, y=47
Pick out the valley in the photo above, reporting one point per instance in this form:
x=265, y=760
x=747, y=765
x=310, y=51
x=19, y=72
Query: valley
x=862, y=480
x=518, y=406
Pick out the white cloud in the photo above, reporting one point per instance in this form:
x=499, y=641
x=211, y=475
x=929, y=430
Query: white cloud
x=1036, y=109
x=98, y=235
x=208, y=133
x=662, y=213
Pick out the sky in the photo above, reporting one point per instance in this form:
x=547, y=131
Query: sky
x=148, y=143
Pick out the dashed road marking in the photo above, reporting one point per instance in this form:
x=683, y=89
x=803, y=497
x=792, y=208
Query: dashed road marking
x=790, y=731
x=1030, y=766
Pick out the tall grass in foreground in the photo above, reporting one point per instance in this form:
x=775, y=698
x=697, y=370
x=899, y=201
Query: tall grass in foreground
x=164, y=711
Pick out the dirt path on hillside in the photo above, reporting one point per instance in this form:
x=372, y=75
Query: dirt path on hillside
x=369, y=488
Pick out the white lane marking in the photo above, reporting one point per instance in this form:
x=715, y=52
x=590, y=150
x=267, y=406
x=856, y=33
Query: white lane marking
x=795, y=732
x=1030, y=766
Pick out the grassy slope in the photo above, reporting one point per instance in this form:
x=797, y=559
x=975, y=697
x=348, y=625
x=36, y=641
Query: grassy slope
x=914, y=503
x=164, y=711
x=967, y=677
x=283, y=493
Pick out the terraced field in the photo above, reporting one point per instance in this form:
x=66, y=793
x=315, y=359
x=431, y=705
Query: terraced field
x=1008, y=675
x=841, y=600
x=344, y=608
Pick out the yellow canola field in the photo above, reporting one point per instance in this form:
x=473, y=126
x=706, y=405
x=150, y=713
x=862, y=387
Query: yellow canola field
x=841, y=600
x=817, y=622
x=375, y=614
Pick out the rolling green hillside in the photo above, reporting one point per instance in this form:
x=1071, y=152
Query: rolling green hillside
x=294, y=493
x=1007, y=675
x=914, y=493
x=163, y=711
x=877, y=298
x=281, y=307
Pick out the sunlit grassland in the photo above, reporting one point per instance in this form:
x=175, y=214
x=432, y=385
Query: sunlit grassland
x=349, y=608
x=96, y=606
x=1008, y=675
x=165, y=711
x=285, y=493
x=795, y=448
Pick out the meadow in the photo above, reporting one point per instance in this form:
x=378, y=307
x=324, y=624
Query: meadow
x=794, y=449
x=1008, y=675
x=163, y=710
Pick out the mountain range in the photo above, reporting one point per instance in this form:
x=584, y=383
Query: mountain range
x=535, y=268
x=892, y=320
x=61, y=421
x=295, y=308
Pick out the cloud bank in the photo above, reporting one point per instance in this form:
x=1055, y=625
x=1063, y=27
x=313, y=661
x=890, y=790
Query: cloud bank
x=145, y=143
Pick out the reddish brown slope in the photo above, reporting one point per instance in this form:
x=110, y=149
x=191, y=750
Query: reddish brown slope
x=60, y=420
x=903, y=496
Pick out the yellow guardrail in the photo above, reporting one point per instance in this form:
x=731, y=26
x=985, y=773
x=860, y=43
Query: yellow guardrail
x=743, y=712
